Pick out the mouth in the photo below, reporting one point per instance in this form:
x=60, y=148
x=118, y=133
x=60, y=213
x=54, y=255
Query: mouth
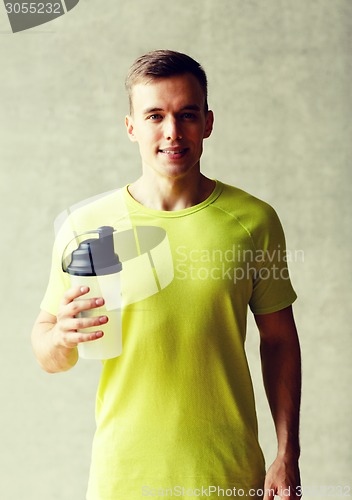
x=173, y=153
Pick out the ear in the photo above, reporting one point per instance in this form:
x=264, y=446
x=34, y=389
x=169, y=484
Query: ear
x=209, y=122
x=130, y=128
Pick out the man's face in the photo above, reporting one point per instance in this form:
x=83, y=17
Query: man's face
x=169, y=123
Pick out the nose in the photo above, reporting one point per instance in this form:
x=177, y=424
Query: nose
x=172, y=129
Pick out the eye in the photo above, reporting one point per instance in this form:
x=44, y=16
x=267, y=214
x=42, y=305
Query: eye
x=189, y=116
x=155, y=117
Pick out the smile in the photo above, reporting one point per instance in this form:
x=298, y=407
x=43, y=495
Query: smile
x=172, y=151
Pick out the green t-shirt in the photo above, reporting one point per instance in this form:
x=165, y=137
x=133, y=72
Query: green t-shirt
x=175, y=412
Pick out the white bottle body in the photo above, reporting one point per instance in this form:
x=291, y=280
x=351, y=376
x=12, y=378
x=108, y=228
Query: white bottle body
x=109, y=287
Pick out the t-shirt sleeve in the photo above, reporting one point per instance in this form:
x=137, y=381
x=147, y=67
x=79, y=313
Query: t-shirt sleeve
x=59, y=281
x=57, y=285
x=272, y=288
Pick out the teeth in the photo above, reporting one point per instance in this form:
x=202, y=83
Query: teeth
x=169, y=152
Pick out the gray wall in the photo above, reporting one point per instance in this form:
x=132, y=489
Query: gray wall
x=280, y=86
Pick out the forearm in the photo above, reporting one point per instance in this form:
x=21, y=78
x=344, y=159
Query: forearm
x=281, y=366
x=51, y=357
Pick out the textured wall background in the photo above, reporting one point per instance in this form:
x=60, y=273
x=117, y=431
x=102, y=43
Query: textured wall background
x=280, y=86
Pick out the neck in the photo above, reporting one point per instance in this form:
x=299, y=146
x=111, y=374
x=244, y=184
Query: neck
x=165, y=193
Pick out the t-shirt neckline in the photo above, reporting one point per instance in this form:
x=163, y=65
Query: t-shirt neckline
x=136, y=206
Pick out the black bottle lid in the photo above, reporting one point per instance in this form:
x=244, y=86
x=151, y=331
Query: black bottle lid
x=95, y=256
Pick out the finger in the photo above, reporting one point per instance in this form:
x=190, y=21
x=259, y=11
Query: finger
x=90, y=336
x=287, y=493
x=71, y=324
x=79, y=305
x=268, y=494
x=74, y=293
x=87, y=322
x=72, y=339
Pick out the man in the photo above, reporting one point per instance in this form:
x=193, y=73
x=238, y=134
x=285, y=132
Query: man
x=175, y=412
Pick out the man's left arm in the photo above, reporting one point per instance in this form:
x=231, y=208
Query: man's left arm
x=281, y=367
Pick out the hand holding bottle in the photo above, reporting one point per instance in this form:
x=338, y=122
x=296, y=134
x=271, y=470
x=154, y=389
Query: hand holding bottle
x=70, y=325
x=55, y=338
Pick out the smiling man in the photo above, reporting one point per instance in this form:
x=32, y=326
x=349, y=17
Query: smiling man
x=170, y=135
x=175, y=412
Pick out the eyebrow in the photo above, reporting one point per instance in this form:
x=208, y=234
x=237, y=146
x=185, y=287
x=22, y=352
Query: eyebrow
x=191, y=107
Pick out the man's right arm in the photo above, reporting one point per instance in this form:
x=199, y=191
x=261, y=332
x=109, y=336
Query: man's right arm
x=55, y=338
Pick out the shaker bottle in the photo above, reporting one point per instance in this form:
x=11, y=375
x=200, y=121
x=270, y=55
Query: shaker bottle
x=96, y=265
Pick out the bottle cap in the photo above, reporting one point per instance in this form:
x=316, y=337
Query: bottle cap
x=95, y=256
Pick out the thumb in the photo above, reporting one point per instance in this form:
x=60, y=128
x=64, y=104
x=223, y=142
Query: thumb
x=269, y=493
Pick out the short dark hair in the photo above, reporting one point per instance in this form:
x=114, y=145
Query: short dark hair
x=164, y=64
